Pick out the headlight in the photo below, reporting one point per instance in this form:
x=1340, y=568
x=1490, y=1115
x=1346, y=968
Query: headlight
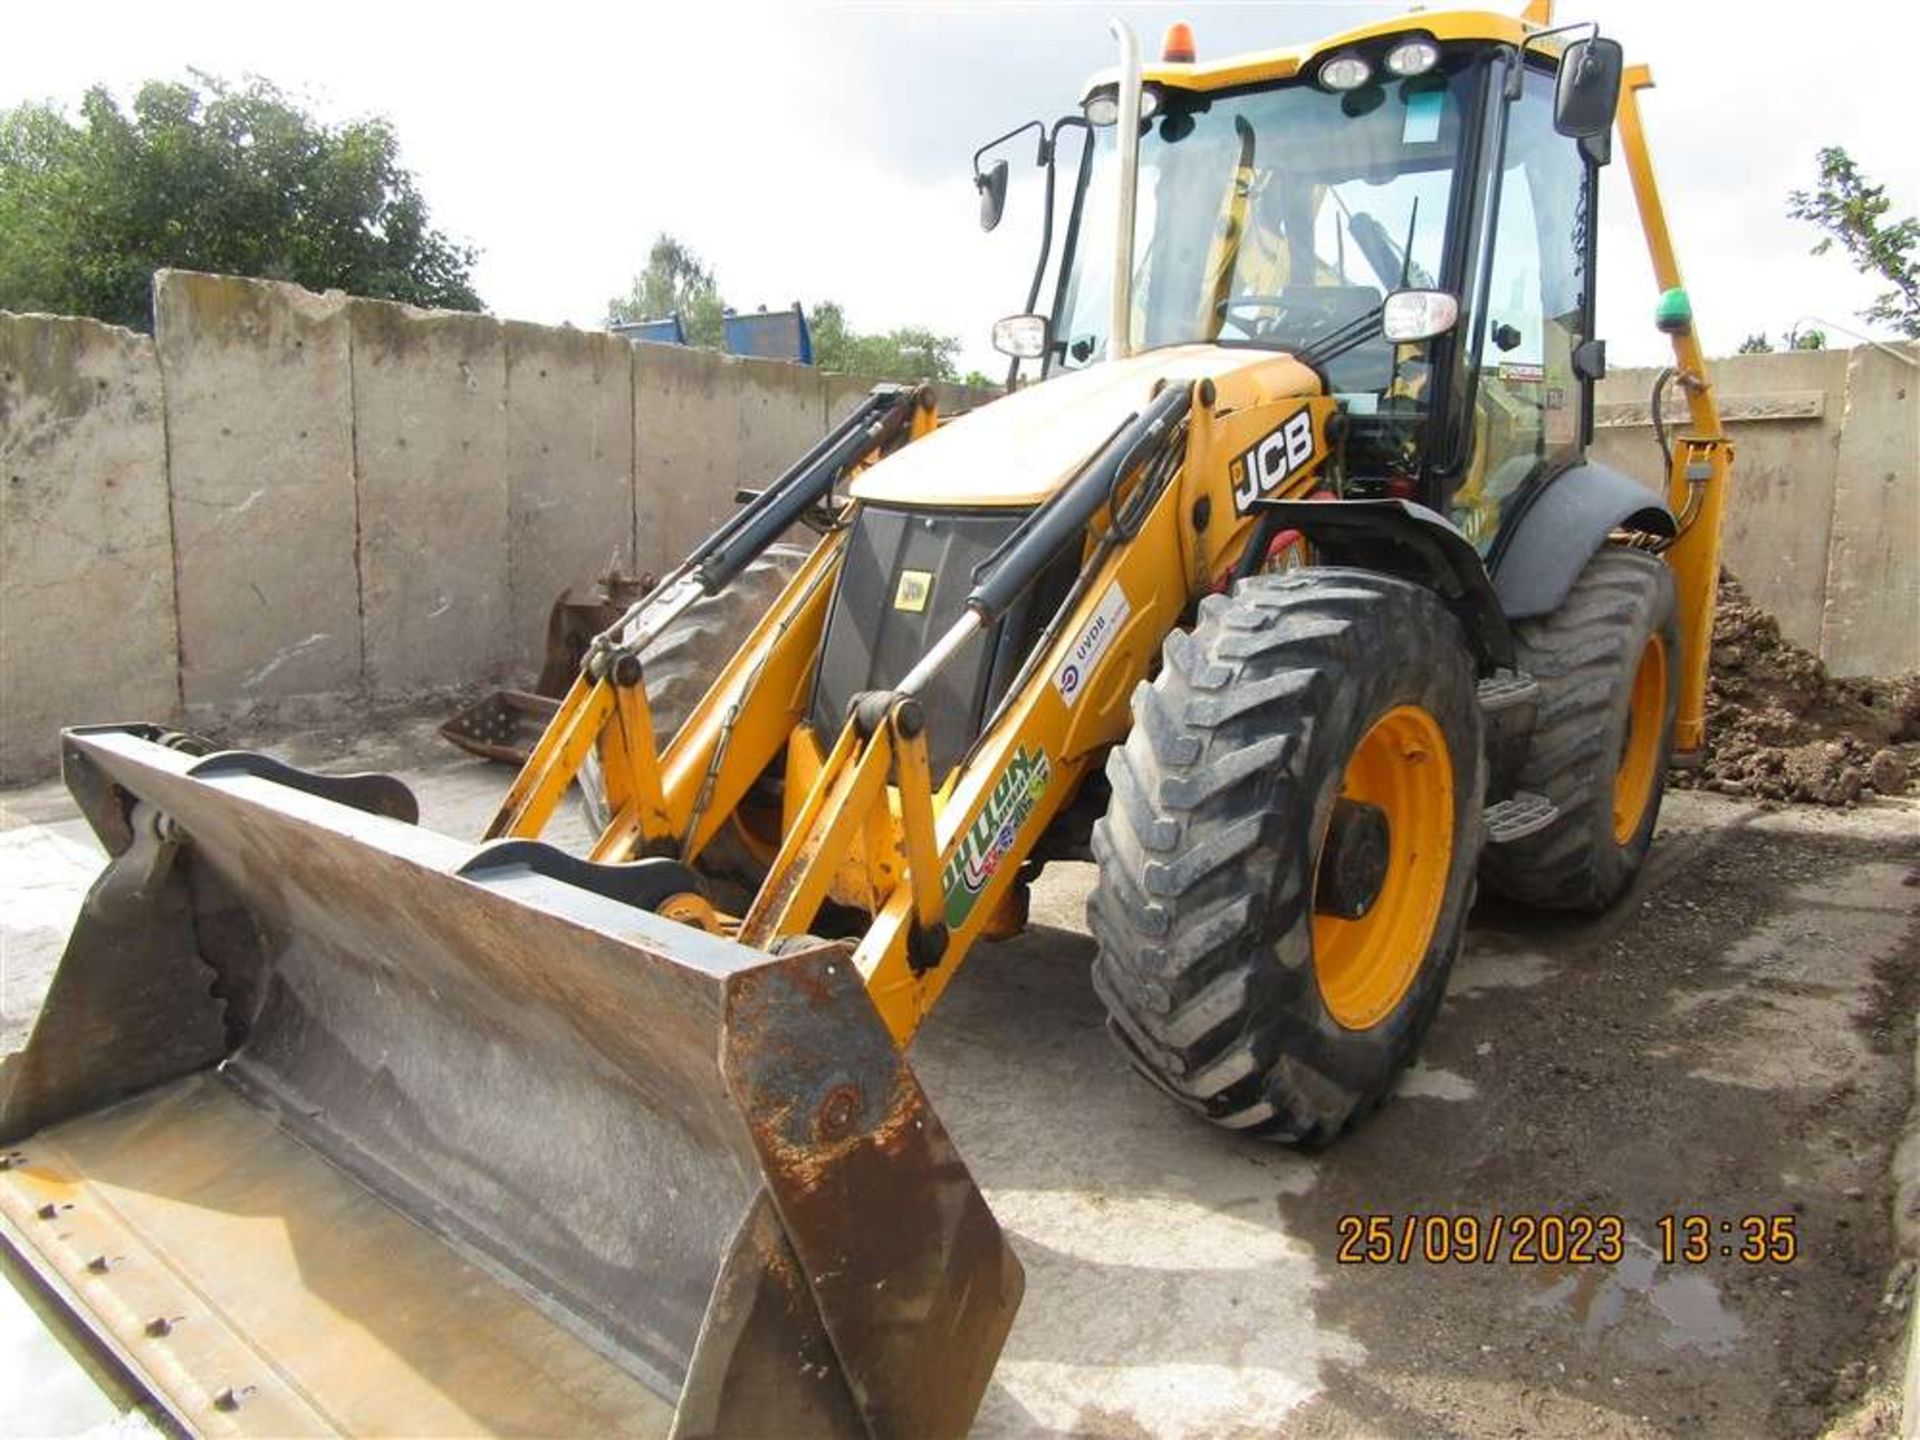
x=1413, y=56
x=1103, y=106
x=1346, y=71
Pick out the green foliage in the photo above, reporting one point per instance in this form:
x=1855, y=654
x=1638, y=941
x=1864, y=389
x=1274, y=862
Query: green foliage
x=1795, y=339
x=1854, y=213
x=674, y=282
x=906, y=353
x=677, y=281
x=210, y=176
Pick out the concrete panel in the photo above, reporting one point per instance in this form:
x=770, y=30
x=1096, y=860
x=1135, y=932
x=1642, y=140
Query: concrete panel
x=570, y=487
x=1779, y=517
x=86, y=569
x=260, y=459
x=1873, y=566
x=430, y=451
x=842, y=392
x=956, y=399
x=704, y=425
x=846, y=391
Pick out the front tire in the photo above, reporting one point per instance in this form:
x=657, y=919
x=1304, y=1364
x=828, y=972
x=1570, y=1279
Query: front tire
x=1288, y=857
x=1606, y=662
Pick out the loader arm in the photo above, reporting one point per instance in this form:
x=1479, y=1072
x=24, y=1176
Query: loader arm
x=866, y=806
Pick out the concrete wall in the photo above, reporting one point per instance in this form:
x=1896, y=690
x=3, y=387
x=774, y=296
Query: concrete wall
x=354, y=497
x=1823, y=527
x=86, y=568
x=570, y=481
x=286, y=494
x=259, y=407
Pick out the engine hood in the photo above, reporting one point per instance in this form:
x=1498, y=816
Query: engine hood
x=1018, y=450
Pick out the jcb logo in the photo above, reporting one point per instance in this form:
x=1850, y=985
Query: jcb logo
x=1275, y=456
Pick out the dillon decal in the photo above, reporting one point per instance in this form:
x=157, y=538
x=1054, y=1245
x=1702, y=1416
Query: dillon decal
x=993, y=832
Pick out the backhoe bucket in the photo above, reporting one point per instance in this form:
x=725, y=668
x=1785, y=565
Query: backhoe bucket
x=334, y=1125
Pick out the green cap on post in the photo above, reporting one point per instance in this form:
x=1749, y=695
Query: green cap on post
x=1674, y=313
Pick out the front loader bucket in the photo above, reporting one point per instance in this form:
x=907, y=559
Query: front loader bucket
x=332, y=1125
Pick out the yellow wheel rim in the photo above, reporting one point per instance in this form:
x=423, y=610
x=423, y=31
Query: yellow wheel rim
x=1633, y=781
x=1365, y=965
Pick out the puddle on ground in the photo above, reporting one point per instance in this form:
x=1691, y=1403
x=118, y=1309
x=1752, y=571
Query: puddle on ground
x=1494, y=962
x=1601, y=1298
x=1429, y=1082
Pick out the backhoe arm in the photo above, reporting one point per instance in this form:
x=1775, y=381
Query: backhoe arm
x=1702, y=458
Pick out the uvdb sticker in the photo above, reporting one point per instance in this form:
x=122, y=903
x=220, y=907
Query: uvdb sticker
x=1092, y=642
x=993, y=832
x=1272, y=459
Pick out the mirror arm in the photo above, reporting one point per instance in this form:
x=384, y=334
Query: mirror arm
x=1515, y=73
x=1592, y=27
x=978, y=174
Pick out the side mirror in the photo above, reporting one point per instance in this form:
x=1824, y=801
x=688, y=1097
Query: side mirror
x=1024, y=337
x=1410, y=315
x=1587, y=93
x=993, y=193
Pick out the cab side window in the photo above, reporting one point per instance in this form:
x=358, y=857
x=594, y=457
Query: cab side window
x=1528, y=411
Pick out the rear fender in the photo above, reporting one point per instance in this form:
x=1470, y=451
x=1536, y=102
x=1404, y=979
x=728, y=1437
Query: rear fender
x=1561, y=526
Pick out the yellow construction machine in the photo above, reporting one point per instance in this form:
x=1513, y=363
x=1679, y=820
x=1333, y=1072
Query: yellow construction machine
x=1283, y=589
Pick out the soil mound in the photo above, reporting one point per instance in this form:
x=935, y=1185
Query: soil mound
x=1779, y=727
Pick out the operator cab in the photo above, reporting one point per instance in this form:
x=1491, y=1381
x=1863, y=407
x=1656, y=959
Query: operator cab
x=1291, y=212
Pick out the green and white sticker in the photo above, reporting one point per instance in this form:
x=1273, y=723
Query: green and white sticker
x=991, y=836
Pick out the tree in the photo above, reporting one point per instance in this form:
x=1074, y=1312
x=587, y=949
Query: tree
x=674, y=282
x=1854, y=213
x=210, y=176
x=905, y=353
x=1795, y=339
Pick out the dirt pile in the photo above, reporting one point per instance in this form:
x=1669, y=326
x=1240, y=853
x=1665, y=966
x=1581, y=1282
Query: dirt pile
x=1779, y=727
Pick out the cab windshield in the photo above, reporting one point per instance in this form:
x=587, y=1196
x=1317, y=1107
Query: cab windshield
x=1275, y=217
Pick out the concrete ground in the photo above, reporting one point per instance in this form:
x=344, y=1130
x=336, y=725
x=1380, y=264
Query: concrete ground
x=1733, y=1040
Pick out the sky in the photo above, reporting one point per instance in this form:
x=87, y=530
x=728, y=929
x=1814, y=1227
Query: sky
x=823, y=151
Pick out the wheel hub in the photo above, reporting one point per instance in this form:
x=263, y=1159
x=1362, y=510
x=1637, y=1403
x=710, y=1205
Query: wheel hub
x=1353, y=861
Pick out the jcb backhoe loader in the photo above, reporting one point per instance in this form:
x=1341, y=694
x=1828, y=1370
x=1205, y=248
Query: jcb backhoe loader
x=1283, y=590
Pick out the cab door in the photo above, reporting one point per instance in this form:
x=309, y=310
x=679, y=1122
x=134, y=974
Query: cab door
x=1531, y=315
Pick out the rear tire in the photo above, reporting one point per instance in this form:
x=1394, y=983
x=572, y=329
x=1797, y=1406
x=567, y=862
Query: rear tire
x=684, y=660
x=1605, y=662
x=1225, y=980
